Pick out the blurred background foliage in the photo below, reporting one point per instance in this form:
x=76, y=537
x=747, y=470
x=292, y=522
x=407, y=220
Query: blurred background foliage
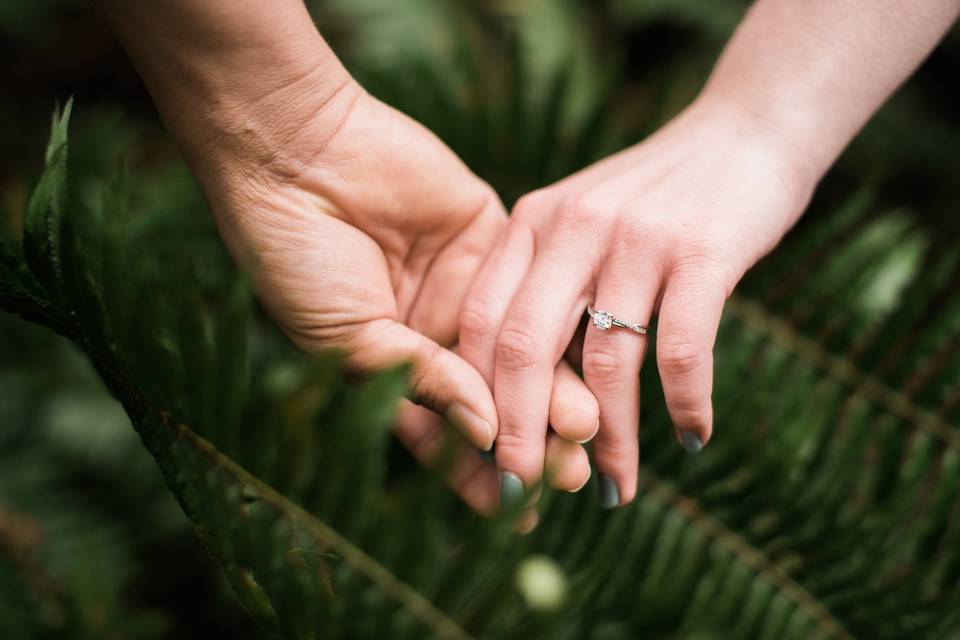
x=826, y=507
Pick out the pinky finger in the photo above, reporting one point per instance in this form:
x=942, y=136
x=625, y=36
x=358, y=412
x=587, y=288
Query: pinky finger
x=685, y=352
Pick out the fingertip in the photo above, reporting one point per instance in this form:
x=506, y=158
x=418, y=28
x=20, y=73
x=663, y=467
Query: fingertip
x=477, y=486
x=574, y=410
x=512, y=489
x=458, y=391
x=440, y=380
x=526, y=522
x=474, y=481
x=489, y=456
x=628, y=489
x=575, y=419
x=617, y=457
x=692, y=428
x=593, y=434
x=609, y=492
x=471, y=407
x=691, y=441
x=586, y=479
x=568, y=466
x=522, y=456
x=477, y=430
x=616, y=492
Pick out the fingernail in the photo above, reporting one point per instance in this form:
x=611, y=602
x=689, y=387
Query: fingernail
x=585, y=481
x=469, y=422
x=691, y=441
x=490, y=457
x=609, y=492
x=511, y=489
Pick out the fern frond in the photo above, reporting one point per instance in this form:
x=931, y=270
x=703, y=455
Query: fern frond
x=826, y=504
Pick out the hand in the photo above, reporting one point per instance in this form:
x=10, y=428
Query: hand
x=669, y=225
x=364, y=232
x=679, y=217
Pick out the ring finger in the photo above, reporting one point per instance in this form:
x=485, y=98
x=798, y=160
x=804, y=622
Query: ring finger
x=612, y=357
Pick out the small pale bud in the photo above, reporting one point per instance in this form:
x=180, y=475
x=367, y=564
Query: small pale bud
x=542, y=583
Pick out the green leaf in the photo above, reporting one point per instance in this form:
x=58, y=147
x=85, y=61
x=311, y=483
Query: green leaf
x=235, y=511
x=42, y=222
x=21, y=294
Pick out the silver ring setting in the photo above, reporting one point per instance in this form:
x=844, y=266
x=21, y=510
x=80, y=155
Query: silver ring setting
x=604, y=320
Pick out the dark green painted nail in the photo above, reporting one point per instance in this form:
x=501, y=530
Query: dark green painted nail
x=511, y=489
x=609, y=493
x=691, y=441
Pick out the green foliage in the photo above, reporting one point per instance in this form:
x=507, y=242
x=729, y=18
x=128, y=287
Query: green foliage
x=825, y=506
x=84, y=515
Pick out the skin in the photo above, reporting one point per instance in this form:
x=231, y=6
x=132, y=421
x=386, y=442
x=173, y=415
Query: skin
x=362, y=231
x=668, y=227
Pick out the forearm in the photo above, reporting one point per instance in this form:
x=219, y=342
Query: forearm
x=813, y=72
x=228, y=76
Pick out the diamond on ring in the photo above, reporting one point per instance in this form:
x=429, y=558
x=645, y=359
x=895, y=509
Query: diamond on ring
x=604, y=320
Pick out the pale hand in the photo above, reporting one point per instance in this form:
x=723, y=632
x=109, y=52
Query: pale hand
x=669, y=225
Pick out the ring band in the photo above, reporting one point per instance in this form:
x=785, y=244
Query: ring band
x=603, y=320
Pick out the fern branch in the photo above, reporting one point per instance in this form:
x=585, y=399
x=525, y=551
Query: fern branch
x=421, y=608
x=843, y=370
x=750, y=556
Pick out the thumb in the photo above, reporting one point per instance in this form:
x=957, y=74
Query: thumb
x=441, y=380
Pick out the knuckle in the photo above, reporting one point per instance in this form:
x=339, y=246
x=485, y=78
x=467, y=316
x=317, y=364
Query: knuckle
x=602, y=367
x=616, y=453
x=488, y=195
x=487, y=200
x=698, y=251
x=517, y=349
x=528, y=206
x=643, y=231
x=513, y=440
x=705, y=260
x=521, y=452
x=680, y=358
x=311, y=335
x=580, y=211
x=360, y=344
x=476, y=321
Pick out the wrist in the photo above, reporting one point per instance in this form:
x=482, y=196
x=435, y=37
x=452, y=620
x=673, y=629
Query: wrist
x=232, y=81
x=254, y=132
x=782, y=139
x=250, y=118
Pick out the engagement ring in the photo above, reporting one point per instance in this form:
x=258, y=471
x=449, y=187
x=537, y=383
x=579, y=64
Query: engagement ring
x=603, y=320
